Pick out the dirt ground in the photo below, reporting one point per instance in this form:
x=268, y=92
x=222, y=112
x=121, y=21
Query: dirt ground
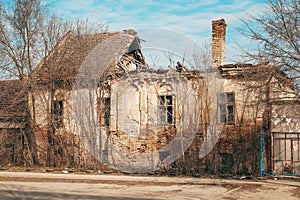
x=28, y=185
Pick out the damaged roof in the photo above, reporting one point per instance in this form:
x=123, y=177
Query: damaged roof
x=250, y=72
x=65, y=60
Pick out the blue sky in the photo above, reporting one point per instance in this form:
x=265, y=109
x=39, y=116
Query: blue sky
x=189, y=18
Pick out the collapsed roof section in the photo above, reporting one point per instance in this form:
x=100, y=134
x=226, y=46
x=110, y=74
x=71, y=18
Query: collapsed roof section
x=259, y=73
x=65, y=61
x=72, y=51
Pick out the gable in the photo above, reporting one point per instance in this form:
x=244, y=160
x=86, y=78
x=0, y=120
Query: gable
x=65, y=60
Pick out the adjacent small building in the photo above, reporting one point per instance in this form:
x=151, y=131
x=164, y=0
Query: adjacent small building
x=13, y=123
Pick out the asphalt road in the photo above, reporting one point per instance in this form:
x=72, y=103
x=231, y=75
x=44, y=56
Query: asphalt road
x=27, y=185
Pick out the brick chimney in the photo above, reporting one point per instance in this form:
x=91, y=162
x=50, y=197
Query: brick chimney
x=218, y=42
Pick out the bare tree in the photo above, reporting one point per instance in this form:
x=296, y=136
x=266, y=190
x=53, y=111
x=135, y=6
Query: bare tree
x=202, y=58
x=277, y=33
x=21, y=22
x=27, y=35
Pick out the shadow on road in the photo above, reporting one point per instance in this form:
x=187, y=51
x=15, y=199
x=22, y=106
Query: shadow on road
x=281, y=183
x=13, y=194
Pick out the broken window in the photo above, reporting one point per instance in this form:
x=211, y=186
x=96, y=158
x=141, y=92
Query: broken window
x=106, y=115
x=58, y=113
x=226, y=105
x=166, y=109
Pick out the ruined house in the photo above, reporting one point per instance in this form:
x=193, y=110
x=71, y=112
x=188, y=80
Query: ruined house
x=255, y=96
x=61, y=75
x=95, y=101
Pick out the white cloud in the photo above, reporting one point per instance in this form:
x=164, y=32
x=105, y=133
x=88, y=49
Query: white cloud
x=192, y=18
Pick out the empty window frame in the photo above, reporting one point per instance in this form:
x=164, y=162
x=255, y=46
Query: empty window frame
x=106, y=112
x=226, y=159
x=166, y=111
x=227, y=107
x=58, y=113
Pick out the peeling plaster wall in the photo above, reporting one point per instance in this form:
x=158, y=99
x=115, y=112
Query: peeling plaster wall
x=42, y=101
x=76, y=138
x=135, y=106
x=42, y=106
x=281, y=92
x=249, y=99
x=286, y=138
x=286, y=118
x=135, y=124
x=135, y=128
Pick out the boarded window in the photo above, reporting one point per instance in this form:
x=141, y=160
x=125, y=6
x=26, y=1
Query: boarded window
x=166, y=112
x=58, y=113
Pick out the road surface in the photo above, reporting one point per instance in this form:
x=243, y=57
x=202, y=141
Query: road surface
x=28, y=185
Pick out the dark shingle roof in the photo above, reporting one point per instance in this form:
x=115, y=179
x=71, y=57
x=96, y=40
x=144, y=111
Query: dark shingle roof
x=12, y=100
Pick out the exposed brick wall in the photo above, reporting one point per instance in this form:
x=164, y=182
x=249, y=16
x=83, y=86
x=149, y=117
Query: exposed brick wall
x=218, y=42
